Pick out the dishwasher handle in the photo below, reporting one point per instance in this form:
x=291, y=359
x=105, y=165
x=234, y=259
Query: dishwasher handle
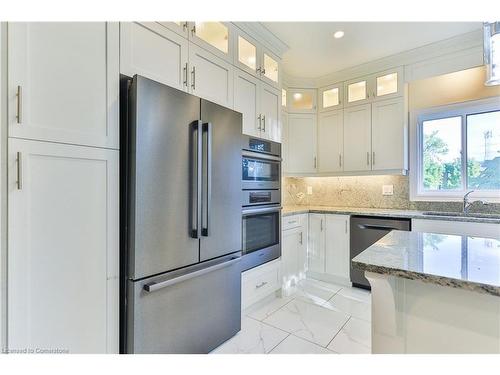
x=377, y=227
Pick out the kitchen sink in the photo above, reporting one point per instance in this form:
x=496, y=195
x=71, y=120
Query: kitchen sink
x=461, y=214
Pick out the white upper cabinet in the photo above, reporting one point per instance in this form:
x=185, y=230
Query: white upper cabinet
x=388, y=84
x=215, y=37
x=301, y=143
x=301, y=100
x=270, y=109
x=270, y=68
x=247, y=101
x=210, y=77
x=357, y=91
x=389, y=135
x=63, y=82
x=357, y=138
x=155, y=52
x=180, y=27
x=331, y=97
x=331, y=141
x=63, y=238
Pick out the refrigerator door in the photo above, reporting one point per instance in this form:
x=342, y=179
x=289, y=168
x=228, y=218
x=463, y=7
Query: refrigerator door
x=186, y=311
x=221, y=192
x=163, y=153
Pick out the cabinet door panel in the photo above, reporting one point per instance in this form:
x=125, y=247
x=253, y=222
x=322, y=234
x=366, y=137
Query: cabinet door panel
x=270, y=108
x=58, y=82
x=357, y=138
x=337, y=246
x=247, y=101
x=63, y=247
x=302, y=143
x=154, y=52
x=211, y=77
x=290, y=258
x=330, y=141
x=316, y=248
x=388, y=135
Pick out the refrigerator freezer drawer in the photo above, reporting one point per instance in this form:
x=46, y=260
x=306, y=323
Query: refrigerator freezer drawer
x=185, y=312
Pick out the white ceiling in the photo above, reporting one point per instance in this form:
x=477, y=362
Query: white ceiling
x=314, y=51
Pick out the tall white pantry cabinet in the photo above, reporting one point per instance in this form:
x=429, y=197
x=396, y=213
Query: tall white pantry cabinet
x=63, y=187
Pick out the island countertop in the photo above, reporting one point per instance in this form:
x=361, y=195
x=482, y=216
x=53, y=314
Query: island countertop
x=465, y=262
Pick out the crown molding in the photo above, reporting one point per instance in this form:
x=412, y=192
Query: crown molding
x=259, y=32
x=460, y=52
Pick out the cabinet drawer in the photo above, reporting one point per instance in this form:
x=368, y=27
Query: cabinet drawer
x=290, y=222
x=259, y=282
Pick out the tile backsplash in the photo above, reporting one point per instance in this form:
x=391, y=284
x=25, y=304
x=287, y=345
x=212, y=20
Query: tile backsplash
x=363, y=191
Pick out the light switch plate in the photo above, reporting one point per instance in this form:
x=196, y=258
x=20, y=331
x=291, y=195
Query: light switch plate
x=387, y=189
x=309, y=190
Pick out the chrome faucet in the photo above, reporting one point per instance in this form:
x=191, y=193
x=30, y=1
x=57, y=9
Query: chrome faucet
x=467, y=204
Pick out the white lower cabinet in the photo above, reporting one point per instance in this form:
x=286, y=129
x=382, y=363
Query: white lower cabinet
x=293, y=251
x=63, y=231
x=459, y=228
x=259, y=282
x=328, y=250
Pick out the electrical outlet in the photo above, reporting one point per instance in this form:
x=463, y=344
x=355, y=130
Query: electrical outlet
x=309, y=190
x=387, y=189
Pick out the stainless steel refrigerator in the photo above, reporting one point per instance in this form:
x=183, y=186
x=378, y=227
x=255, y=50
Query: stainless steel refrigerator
x=180, y=218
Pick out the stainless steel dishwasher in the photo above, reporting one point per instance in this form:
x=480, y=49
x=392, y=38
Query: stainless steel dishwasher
x=365, y=231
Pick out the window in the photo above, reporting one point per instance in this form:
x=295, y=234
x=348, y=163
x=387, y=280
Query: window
x=457, y=149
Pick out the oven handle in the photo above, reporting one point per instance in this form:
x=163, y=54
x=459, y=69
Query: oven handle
x=262, y=210
x=262, y=156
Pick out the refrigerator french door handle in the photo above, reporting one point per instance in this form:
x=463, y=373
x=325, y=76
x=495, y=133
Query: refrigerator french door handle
x=152, y=287
x=207, y=164
x=196, y=171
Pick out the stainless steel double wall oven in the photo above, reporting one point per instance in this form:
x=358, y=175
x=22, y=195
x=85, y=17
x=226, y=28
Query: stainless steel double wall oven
x=261, y=206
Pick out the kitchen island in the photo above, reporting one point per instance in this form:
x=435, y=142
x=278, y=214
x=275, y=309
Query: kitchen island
x=433, y=293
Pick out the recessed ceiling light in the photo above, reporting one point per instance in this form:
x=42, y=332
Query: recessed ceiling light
x=338, y=34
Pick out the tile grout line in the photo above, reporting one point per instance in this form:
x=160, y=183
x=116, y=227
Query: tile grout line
x=274, y=347
x=341, y=328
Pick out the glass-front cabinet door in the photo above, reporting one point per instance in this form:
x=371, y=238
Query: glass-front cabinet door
x=357, y=91
x=214, y=35
x=270, y=68
x=330, y=97
x=301, y=100
x=388, y=84
x=246, y=56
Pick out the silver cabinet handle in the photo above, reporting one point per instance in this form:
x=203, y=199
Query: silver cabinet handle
x=152, y=287
x=300, y=241
x=184, y=26
x=193, y=78
x=264, y=122
x=346, y=226
x=19, y=161
x=260, y=122
x=340, y=160
x=185, y=74
x=367, y=158
x=321, y=226
x=19, y=96
x=193, y=30
x=264, y=71
x=261, y=285
x=315, y=162
x=373, y=157
x=259, y=70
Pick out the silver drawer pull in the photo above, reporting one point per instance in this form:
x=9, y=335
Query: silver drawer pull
x=292, y=222
x=19, y=95
x=260, y=285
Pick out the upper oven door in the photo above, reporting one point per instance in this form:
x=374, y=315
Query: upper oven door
x=260, y=171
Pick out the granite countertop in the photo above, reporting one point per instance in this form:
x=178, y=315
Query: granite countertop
x=292, y=210
x=464, y=262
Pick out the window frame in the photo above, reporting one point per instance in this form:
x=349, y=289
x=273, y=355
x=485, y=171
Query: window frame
x=417, y=193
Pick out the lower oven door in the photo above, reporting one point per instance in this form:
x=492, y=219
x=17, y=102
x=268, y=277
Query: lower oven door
x=261, y=235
